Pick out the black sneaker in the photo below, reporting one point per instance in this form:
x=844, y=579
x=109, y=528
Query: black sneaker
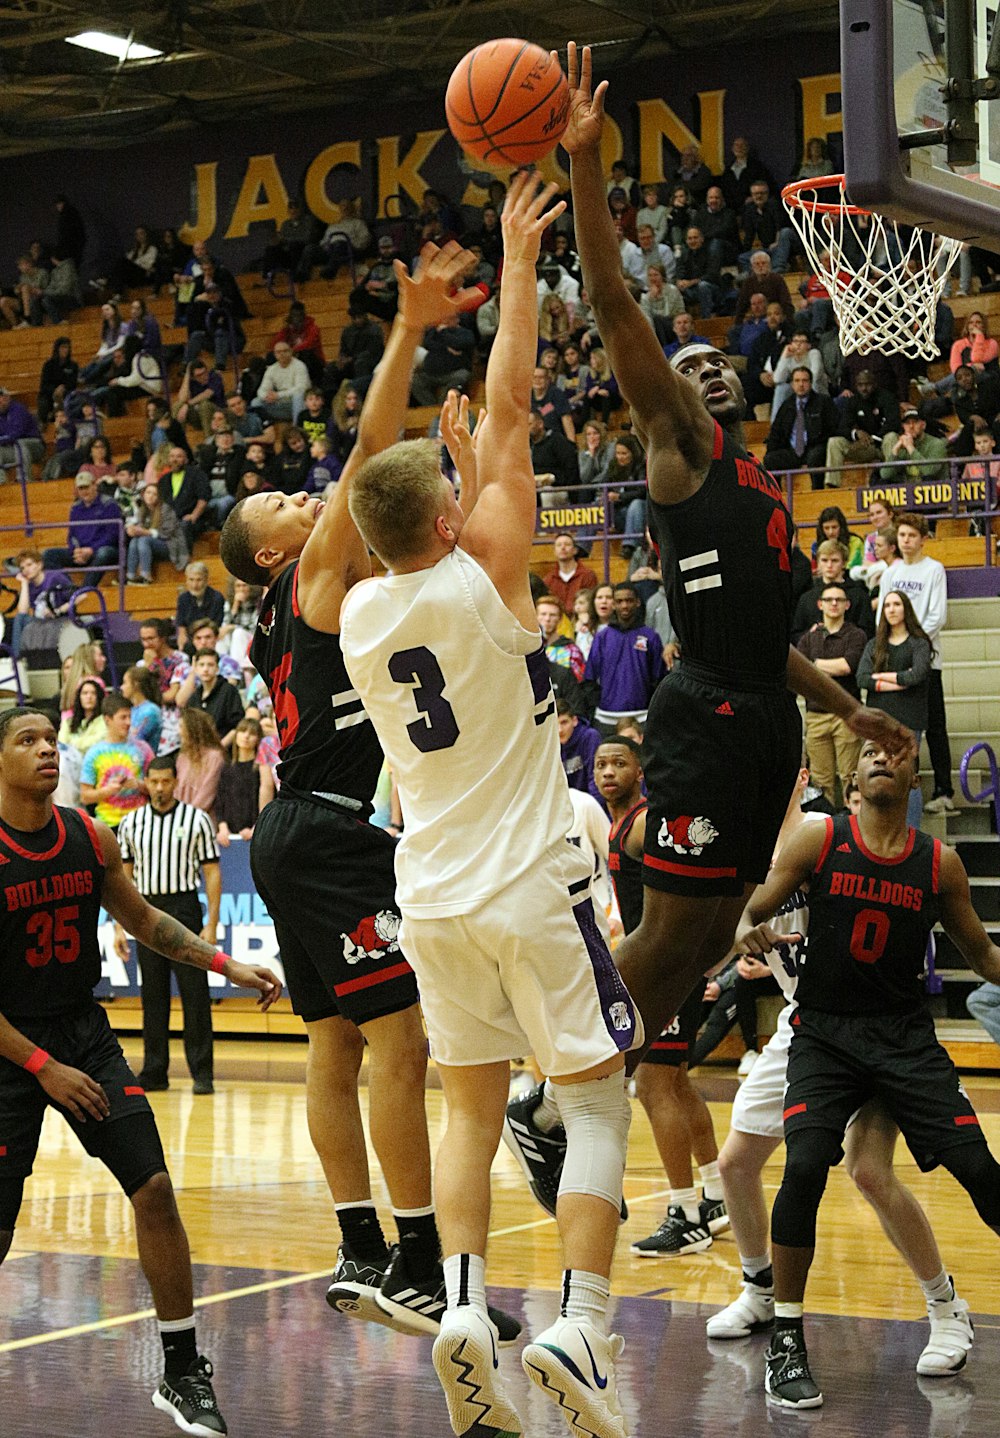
x=190, y=1401
x=714, y=1214
x=354, y=1287
x=153, y=1085
x=421, y=1303
x=541, y=1155
x=787, y=1380
x=675, y=1235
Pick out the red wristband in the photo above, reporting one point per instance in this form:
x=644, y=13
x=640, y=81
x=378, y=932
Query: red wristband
x=36, y=1060
x=218, y=963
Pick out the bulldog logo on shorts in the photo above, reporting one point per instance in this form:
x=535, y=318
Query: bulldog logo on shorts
x=375, y=937
x=621, y=1017
x=686, y=835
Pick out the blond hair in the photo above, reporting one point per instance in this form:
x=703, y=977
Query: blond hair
x=395, y=498
x=831, y=546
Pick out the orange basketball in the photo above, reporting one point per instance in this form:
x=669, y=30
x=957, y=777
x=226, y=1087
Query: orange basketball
x=507, y=102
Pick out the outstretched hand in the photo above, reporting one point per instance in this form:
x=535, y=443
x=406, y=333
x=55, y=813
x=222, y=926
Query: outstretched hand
x=430, y=296
x=525, y=217
x=875, y=724
x=459, y=439
x=586, y=110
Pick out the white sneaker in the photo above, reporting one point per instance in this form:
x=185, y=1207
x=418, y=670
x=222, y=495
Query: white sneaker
x=751, y=1312
x=574, y=1365
x=747, y=1062
x=951, y=1338
x=467, y=1363
x=940, y=804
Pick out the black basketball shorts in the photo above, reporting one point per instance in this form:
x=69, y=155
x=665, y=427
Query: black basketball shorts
x=674, y=1045
x=329, y=884
x=837, y=1062
x=719, y=766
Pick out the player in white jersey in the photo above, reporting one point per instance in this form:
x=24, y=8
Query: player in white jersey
x=497, y=920
x=756, y=1131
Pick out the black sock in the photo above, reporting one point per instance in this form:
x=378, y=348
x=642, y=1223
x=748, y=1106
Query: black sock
x=419, y=1242
x=363, y=1233
x=179, y=1351
x=763, y=1279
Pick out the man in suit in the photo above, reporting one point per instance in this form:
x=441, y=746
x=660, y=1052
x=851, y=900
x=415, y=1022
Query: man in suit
x=801, y=429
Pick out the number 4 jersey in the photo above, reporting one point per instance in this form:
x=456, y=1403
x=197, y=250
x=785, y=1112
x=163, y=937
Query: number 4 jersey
x=869, y=918
x=51, y=879
x=460, y=697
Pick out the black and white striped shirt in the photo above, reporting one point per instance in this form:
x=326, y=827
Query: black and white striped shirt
x=168, y=849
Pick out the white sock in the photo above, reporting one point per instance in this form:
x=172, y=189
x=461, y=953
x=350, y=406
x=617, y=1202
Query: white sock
x=938, y=1290
x=752, y=1266
x=788, y=1310
x=711, y=1183
x=465, y=1281
x=546, y=1116
x=686, y=1199
x=174, y=1325
x=585, y=1298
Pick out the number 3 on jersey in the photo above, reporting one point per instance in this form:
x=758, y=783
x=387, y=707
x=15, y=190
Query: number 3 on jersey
x=418, y=667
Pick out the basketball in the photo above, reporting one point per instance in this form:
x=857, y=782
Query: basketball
x=507, y=102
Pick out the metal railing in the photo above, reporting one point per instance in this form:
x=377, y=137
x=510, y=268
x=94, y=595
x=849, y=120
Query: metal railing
x=101, y=569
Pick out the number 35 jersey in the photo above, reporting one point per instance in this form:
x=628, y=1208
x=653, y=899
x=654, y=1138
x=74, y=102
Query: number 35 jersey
x=869, y=918
x=460, y=697
x=51, y=882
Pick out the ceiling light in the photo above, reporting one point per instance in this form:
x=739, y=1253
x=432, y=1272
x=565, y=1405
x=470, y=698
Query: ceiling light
x=112, y=45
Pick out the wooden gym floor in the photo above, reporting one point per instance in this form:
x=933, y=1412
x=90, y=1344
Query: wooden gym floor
x=79, y=1353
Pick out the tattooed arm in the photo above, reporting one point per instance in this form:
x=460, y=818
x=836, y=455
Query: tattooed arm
x=167, y=935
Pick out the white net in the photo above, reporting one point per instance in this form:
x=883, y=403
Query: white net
x=885, y=280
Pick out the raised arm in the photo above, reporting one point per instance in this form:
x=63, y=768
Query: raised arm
x=335, y=556
x=796, y=861
x=461, y=443
x=500, y=529
x=669, y=416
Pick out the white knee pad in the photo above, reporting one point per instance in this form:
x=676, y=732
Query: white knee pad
x=596, y=1116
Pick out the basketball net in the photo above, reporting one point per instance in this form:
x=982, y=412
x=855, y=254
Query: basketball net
x=884, y=280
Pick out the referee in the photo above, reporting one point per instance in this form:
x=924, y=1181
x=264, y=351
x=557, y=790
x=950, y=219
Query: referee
x=165, y=845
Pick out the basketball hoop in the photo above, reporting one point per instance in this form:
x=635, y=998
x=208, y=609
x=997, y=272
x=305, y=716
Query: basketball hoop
x=884, y=279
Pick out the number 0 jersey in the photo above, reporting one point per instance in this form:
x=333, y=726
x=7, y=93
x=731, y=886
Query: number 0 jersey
x=328, y=747
x=727, y=569
x=460, y=696
x=869, y=918
x=51, y=880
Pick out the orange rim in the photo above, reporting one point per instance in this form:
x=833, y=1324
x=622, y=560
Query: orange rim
x=793, y=196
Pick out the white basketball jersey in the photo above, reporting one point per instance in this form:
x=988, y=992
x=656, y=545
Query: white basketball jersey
x=792, y=918
x=460, y=696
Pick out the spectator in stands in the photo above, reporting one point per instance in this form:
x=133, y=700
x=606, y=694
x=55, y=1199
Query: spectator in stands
x=594, y=459
x=625, y=663
x=660, y=303
x=578, y=743
x=895, y=670
x=212, y=325
x=835, y=647
x=559, y=647
x=764, y=225
x=553, y=461
x=881, y=516
x=19, y=437
x=554, y=280
x=18, y=303
x=342, y=430
x=224, y=467
x=599, y=392
x=289, y=252
x=626, y=480
x=567, y=258
x=927, y=455
x=568, y=576
x=765, y=352
x=832, y=524
x=797, y=353
x=653, y=212
x=923, y=581
x=762, y=280
x=739, y=175
x=974, y=348
x=315, y=414
x=742, y=336
x=550, y=402
x=141, y=688
x=84, y=726
x=680, y=218
x=553, y=323
x=244, y=421
x=197, y=600
x=655, y=253
x=206, y=689
x=293, y=461
x=890, y=372
x=113, y=772
x=885, y=551
x=186, y=488
x=283, y=387
x=171, y=257
x=801, y=429
x=570, y=377
x=379, y=290
x=634, y=263
x=867, y=415
x=71, y=232
x=697, y=274
x=200, y=761
x=831, y=567
x=684, y=334
x=816, y=163
x=974, y=395
x=245, y=785
x=584, y=617
x=301, y=331
x=113, y=336
x=137, y=266
x=239, y=619
x=94, y=535
x=447, y=363
x=693, y=173
x=99, y=462
x=171, y=668
x=42, y=594
x=720, y=227
x=61, y=294
x=154, y=532
x=343, y=241
x=361, y=346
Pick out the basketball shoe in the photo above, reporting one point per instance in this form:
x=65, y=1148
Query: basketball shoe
x=539, y=1154
x=787, y=1380
x=951, y=1338
x=421, y=1303
x=354, y=1288
x=466, y=1362
x=751, y=1312
x=574, y=1365
x=190, y=1401
x=714, y=1215
x=675, y=1235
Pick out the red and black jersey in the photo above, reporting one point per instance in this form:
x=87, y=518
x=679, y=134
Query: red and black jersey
x=626, y=872
x=726, y=555
x=328, y=743
x=51, y=882
x=869, y=918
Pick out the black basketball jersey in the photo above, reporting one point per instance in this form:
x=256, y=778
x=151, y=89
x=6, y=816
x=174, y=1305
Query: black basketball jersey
x=328, y=744
x=869, y=918
x=726, y=555
x=626, y=872
x=50, y=959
